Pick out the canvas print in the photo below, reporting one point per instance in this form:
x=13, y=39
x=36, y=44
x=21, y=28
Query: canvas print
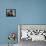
x=11, y=12
x=32, y=32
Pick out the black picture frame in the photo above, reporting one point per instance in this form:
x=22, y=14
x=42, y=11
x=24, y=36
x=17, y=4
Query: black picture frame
x=11, y=12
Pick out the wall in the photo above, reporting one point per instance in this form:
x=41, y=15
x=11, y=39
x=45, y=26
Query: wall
x=27, y=12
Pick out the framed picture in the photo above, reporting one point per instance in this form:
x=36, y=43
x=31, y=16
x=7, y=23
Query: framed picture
x=11, y=12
